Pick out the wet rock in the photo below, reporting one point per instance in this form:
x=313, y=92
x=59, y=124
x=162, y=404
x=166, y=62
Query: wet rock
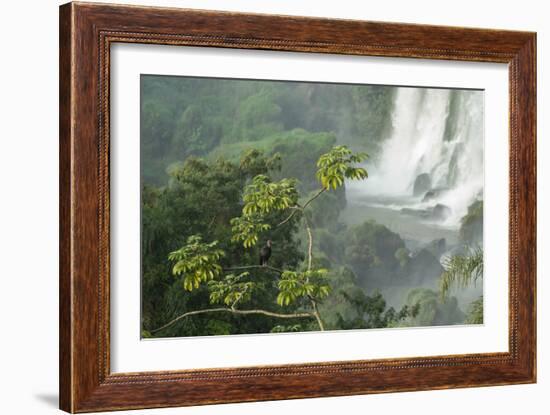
x=471, y=229
x=423, y=268
x=422, y=184
x=419, y=213
x=429, y=196
x=441, y=212
x=438, y=212
x=434, y=193
x=437, y=247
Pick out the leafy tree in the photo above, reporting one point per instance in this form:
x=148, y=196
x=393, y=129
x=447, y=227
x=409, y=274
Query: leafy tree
x=254, y=163
x=201, y=199
x=301, y=290
x=372, y=250
x=372, y=118
x=353, y=309
x=194, y=136
x=431, y=310
x=298, y=152
x=297, y=285
x=197, y=262
x=285, y=329
x=232, y=290
x=182, y=116
x=258, y=116
x=203, y=142
x=361, y=256
x=463, y=270
x=339, y=164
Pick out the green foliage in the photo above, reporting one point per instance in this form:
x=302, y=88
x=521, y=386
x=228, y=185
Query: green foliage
x=247, y=229
x=287, y=329
x=218, y=327
x=371, y=311
x=330, y=245
x=372, y=245
x=193, y=116
x=258, y=116
x=372, y=119
x=201, y=199
x=197, y=262
x=261, y=197
x=213, y=138
x=431, y=311
x=461, y=269
x=298, y=150
x=157, y=127
x=294, y=285
x=232, y=290
x=194, y=136
x=471, y=225
x=475, y=312
x=362, y=256
x=255, y=163
x=337, y=165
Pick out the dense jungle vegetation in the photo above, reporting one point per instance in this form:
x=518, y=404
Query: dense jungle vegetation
x=230, y=168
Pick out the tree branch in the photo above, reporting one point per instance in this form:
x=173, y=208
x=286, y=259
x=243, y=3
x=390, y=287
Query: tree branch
x=279, y=271
x=317, y=315
x=301, y=208
x=234, y=311
x=319, y=193
x=309, y=247
x=294, y=210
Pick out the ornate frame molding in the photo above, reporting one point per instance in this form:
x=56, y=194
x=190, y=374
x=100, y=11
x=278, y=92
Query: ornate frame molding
x=86, y=34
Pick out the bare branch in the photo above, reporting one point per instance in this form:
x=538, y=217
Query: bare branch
x=190, y=313
x=301, y=208
x=271, y=314
x=309, y=247
x=317, y=315
x=294, y=210
x=319, y=193
x=234, y=311
x=245, y=267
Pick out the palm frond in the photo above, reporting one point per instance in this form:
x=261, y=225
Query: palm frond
x=462, y=270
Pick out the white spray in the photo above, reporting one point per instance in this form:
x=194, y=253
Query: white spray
x=438, y=132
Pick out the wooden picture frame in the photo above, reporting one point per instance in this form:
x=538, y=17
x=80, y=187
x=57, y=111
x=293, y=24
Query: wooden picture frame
x=86, y=33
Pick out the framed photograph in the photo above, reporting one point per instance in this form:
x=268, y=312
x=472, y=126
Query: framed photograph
x=259, y=207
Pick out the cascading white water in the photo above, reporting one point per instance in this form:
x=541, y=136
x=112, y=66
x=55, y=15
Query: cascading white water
x=438, y=132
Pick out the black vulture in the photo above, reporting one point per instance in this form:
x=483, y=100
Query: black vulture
x=265, y=253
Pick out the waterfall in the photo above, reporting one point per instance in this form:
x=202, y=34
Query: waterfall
x=436, y=133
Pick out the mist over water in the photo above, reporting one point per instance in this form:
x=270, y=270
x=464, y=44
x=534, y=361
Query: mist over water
x=437, y=133
x=432, y=157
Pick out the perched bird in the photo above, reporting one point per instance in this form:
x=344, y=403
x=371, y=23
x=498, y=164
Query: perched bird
x=265, y=253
